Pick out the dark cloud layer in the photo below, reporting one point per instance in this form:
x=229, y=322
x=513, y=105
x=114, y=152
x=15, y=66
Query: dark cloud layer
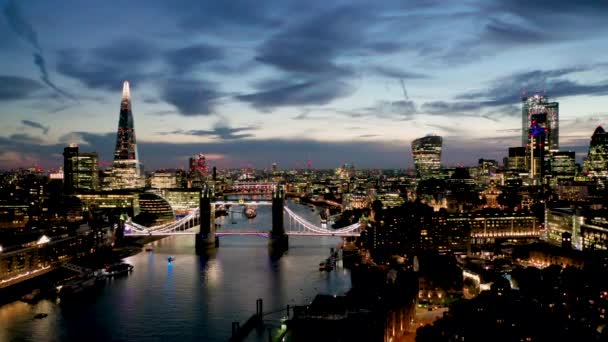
x=17, y=88
x=507, y=91
x=106, y=67
x=389, y=71
x=220, y=131
x=24, y=29
x=274, y=54
x=191, y=97
x=186, y=58
x=297, y=94
x=34, y=124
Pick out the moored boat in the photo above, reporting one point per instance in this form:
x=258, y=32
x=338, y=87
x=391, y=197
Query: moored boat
x=32, y=297
x=118, y=269
x=77, y=286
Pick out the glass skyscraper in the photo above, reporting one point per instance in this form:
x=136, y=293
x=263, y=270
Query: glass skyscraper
x=562, y=164
x=539, y=104
x=540, y=132
x=126, y=170
x=426, y=152
x=517, y=159
x=596, y=163
x=80, y=170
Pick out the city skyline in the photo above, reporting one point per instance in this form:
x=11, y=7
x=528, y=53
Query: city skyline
x=332, y=84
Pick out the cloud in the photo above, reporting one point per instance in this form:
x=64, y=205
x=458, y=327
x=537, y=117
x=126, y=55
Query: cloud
x=16, y=159
x=401, y=109
x=107, y=66
x=17, y=88
x=505, y=92
x=34, y=124
x=502, y=32
x=487, y=28
x=25, y=30
x=221, y=130
x=558, y=9
x=20, y=25
x=313, y=54
x=309, y=114
x=191, y=97
x=445, y=108
x=126, y=51
x=319, y=92
x=233, y=20
x=312, y=45
x=388, y=71
x=186, y=58
x=25, y=138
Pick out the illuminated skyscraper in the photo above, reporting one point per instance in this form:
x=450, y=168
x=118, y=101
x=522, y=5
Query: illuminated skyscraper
x=126, y=170
x=80, y=170
x=562, y=164
x=596, y=163
x=426, y=152
x=517, y=159
x=540, y=133
x=537, y=146
x=538, y=104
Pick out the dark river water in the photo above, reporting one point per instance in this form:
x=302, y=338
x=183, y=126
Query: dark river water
x=192, y=299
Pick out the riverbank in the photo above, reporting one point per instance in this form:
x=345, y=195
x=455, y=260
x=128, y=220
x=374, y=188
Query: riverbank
x=199, y=297
x=48, y=281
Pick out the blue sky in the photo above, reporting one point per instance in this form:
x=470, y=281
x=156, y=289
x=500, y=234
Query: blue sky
x=256, y=82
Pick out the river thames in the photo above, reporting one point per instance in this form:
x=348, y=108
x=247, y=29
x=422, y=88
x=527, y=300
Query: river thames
x=191, y=299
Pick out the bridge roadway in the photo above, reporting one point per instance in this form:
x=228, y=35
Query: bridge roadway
x=242, y=203
x=193, y=231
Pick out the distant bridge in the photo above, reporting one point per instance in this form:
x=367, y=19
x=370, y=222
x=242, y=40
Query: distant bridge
x=190, y=225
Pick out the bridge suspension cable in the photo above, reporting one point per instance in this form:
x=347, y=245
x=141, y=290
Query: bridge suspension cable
x=186, y=224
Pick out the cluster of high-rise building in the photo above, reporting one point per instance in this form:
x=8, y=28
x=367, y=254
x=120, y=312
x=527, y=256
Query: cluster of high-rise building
x=538, y=161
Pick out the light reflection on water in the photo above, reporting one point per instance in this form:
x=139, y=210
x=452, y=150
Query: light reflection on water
x=193, y=298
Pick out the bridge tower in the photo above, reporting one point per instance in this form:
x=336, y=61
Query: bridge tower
x=206, y=238
x=278, y=239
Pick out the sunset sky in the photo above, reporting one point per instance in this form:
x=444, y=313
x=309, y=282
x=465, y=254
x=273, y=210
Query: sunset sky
x=256, y=82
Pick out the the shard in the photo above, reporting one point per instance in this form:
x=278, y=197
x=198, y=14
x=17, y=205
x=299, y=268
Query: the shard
x=126, y=170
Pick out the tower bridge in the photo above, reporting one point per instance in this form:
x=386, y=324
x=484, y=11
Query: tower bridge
x=201, y=223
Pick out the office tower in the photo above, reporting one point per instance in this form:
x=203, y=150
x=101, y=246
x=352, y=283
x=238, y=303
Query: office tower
x=517, y=159
x=88, y=172
x=562, y=164
x=537, y=145
x=70, y=161
x=126, y=170
x=539, y=104
x=426, y=152
x=596, y=163
x=80, y=170
x=163, y=180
